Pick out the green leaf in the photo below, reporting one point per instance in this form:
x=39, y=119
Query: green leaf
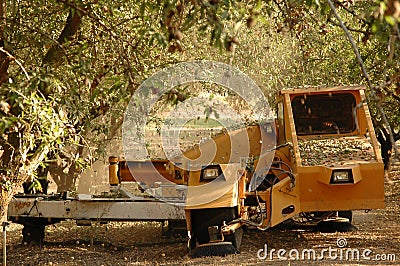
x=390, y=20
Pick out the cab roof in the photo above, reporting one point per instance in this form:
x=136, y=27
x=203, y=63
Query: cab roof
x=310, y=90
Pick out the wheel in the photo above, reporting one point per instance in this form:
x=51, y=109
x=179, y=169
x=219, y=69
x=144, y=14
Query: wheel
x=200, y=243
x=346, y=214
x=191, y=245
x=337, y=225
x=34, y=227
x=33, y=233
x=235, y=238
x=204, y=218
x=175, y=229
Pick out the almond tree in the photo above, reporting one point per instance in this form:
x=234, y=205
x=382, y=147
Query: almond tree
x=69, y=67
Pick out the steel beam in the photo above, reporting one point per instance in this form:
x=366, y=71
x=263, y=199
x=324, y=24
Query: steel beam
x=96, y=209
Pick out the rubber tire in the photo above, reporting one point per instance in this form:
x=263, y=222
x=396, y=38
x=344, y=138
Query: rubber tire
x=33, y=233
x=346, y=214
x=34, y=227
x=235, y=238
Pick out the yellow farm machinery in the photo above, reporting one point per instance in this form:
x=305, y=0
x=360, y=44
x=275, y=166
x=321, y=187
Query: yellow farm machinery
x=325, y=161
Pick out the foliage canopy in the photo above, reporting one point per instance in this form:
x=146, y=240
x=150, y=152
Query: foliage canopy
x=69, y=67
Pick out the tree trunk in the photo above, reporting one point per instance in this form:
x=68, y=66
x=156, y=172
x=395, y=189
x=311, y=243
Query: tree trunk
x=4, y=58
x=10, y=146
x=64, y=181
x=6, y=196
x=386, y=145
x=4, y=64
x=54, y=55
x=5, y=199
x=9, y=162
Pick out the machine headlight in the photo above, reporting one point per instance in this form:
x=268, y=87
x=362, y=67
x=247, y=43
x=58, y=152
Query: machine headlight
x=341, y=176
x=211, y=173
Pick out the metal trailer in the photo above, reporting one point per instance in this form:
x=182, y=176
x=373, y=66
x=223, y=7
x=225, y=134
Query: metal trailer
x=35, y=211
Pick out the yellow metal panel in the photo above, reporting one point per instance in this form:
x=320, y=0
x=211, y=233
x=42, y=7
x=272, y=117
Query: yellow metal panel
x=231, y=146
x=326, y=173
x=371, y=130
x=216, y=193
x=315, y=191
x=368, y=193
x=283, y=196
x=290, y=130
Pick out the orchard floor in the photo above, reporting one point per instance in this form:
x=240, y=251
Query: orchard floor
x=377, y=235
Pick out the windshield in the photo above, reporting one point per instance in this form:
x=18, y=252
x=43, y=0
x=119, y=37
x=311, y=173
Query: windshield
x=324, y=113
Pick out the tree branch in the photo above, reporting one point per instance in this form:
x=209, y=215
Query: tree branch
x=73, y=23
x=27, y=170
x=390, y=93
x=350, y=29
x=351, y=12
x=366, y=76
x=12, y=58
x=85, y=12
x=4, y=58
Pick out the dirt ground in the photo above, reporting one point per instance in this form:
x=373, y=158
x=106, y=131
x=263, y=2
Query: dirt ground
x=377, y=235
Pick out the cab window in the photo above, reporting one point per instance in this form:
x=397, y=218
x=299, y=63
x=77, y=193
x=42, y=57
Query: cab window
x=324, y=113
